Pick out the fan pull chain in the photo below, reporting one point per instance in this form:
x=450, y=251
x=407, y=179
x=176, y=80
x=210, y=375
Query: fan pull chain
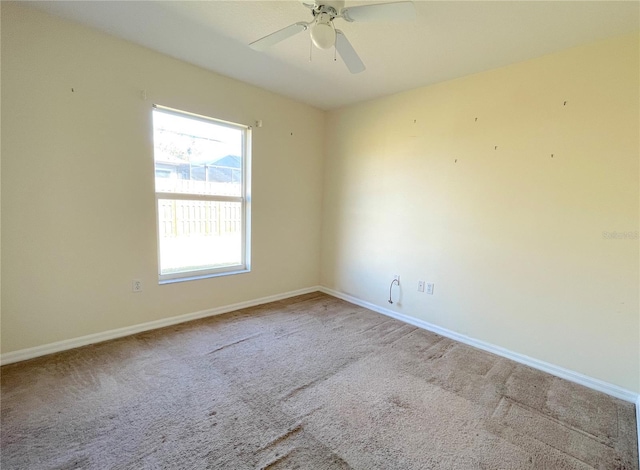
x=334, y=53
x=310, y=48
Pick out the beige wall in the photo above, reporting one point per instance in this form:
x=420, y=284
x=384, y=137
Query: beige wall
x=78, y=213
x=511, y=237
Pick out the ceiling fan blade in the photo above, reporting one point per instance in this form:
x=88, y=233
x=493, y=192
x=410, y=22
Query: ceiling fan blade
x=397, y=11
x=348, y=53
x=274, y=38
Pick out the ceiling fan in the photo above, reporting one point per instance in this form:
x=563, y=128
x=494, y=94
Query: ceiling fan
x=323, y=33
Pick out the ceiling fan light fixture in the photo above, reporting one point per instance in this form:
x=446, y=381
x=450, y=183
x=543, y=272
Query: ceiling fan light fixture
x=322, y=33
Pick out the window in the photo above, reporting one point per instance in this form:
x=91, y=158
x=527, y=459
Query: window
x=202, y=195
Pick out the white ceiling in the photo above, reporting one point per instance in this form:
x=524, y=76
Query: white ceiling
x=449, y=39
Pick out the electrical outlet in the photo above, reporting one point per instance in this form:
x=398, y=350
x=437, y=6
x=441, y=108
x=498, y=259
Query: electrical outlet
x=420, y=286
x=136, y=285
x=396, y=277
x=430, y=288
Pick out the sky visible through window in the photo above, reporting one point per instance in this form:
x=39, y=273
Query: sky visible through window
x=193, y=140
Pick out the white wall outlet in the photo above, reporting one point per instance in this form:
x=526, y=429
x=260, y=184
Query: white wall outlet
x=136, y=285
x=396, y=277
x=430, y=288
x=420, y=286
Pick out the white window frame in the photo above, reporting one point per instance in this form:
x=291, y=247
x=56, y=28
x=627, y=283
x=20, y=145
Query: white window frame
x=244, y=199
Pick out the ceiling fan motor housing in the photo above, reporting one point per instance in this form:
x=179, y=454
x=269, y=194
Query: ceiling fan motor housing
x=320, y=5
x=332, y=8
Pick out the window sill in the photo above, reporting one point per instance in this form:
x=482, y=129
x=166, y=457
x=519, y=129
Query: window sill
x=202, y=276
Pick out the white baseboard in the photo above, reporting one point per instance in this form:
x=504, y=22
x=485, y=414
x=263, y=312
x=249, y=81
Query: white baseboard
x=561, y=372
x=30, y=353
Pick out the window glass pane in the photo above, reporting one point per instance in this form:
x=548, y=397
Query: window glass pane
x=194, y=156
x=199, y=235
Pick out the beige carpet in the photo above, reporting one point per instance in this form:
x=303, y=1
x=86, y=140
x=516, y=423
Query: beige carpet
x=307, y=383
